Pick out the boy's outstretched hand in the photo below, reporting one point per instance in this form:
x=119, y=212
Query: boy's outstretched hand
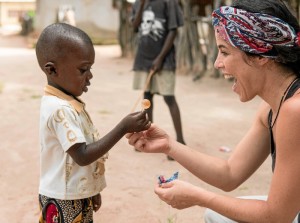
x=136, y=122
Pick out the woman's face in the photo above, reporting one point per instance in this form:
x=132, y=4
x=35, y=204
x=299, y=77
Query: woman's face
x=234, y=64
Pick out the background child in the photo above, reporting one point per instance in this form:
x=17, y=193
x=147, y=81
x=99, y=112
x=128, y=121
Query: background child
x=157, y=22
x=72, y=153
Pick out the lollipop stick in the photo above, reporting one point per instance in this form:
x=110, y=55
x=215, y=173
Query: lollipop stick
x=145, y=87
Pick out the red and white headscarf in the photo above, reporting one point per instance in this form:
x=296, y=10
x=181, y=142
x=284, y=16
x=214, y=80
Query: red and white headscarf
x=255, y=33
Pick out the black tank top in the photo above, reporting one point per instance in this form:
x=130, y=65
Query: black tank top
x=295, y=86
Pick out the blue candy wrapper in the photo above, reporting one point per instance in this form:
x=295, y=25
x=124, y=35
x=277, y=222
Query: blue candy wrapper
x=161, y=178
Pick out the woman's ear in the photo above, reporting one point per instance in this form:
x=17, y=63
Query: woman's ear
x=50, y=68
x=262, y=60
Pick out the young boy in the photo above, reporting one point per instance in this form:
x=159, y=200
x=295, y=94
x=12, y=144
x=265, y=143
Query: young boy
x=72, y=153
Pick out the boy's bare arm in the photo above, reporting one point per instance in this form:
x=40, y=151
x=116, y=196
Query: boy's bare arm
x=84, y=154
x=136, y=21
x=168, y=44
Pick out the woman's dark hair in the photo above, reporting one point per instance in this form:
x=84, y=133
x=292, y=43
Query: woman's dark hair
x=288, y=56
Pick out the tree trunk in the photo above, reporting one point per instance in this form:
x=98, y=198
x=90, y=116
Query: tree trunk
x=125, y=33
x=190, y=56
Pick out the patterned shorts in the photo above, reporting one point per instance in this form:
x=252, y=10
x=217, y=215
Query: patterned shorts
x=65, y=211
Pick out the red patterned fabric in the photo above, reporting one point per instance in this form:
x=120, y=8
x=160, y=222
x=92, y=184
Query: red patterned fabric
x=65, y=211
x=52, y=214
x=255, y=33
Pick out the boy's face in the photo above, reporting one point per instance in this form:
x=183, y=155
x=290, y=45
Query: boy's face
x=73, y=70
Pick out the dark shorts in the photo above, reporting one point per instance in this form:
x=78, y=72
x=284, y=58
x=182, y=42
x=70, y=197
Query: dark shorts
x=65, y=211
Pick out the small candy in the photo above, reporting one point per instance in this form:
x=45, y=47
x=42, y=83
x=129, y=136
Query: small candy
x=224, y=149
x=161, y=178
x=146, y=104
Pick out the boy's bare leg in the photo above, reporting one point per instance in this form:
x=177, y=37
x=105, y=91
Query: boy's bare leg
x=175, y=114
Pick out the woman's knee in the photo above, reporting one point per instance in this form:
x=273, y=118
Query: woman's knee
x=211, y=216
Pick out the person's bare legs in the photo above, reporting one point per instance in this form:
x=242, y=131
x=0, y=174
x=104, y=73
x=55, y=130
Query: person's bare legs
x=175, y=114
x=174, y=111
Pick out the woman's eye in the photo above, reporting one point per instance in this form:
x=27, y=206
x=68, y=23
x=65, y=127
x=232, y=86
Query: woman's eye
x=224, y=53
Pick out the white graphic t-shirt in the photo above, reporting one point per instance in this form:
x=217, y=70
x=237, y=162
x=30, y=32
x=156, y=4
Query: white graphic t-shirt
x=63, y=123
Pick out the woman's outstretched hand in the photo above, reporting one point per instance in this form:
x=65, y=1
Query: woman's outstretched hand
x=153, y=140
x=179, y=194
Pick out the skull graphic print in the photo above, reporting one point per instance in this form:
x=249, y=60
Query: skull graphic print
x=151, y=25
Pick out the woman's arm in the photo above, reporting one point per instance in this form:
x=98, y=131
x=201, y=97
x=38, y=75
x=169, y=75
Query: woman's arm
x=180, y=195
x=285, y=183
x=283, y=202
x=247, y=156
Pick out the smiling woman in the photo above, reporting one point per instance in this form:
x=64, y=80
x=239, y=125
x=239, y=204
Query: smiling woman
x=258, y=45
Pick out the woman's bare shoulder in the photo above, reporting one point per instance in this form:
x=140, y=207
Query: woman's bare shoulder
x=262, y=113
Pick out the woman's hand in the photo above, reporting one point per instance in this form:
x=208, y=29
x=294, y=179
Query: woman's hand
x=153, y=140
x=179, y=194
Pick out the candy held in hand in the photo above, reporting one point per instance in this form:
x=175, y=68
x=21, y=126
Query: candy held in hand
x=146, y=104
x=161, y=178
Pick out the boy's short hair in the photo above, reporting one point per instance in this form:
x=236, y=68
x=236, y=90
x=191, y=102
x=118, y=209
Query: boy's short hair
x=55, y=40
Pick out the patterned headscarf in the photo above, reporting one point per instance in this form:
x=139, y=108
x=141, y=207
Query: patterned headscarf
x=255, y=33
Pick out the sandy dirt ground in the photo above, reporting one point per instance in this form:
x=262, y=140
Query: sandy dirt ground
x=212, y=116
